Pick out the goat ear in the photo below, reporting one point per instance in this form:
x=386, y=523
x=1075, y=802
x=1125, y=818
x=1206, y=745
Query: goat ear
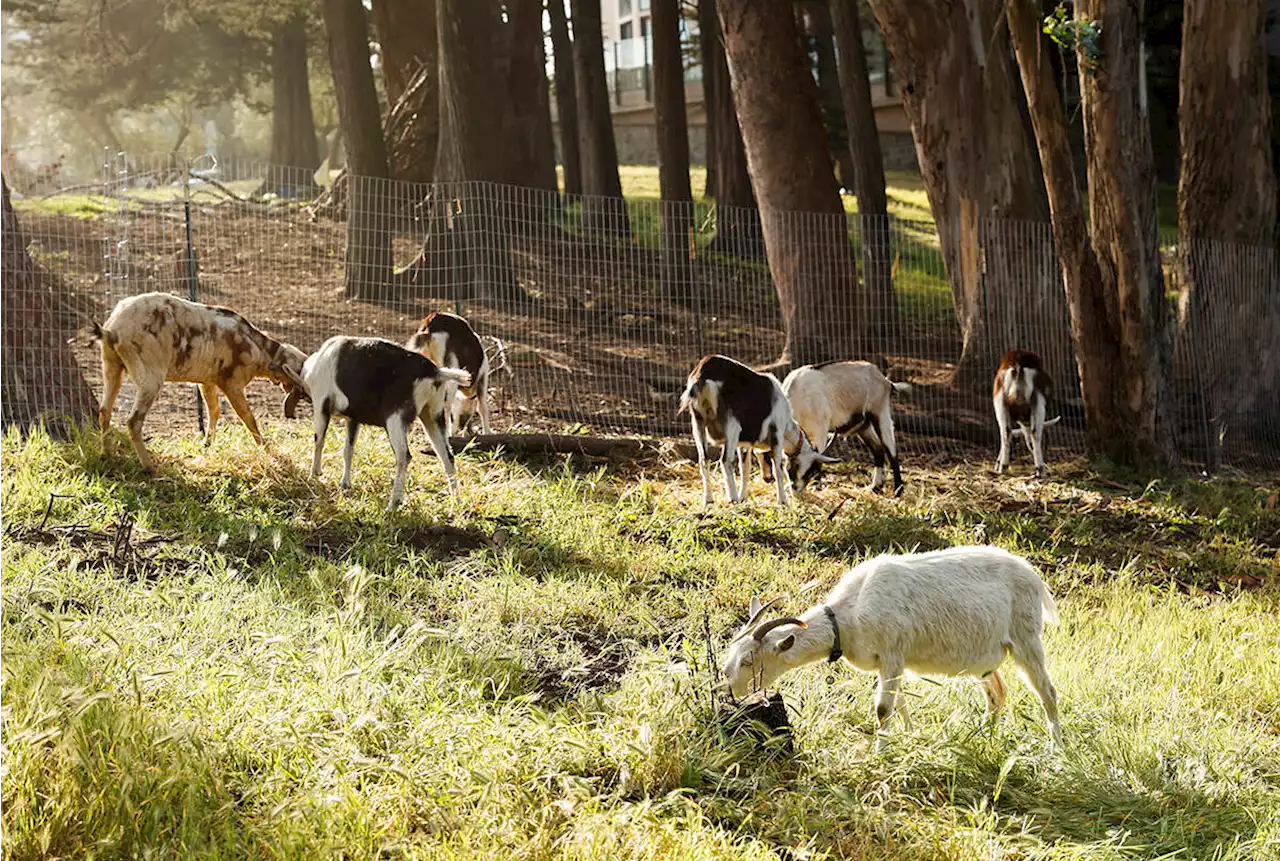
x=754, y=607
x=826, y=458
x=786, y=642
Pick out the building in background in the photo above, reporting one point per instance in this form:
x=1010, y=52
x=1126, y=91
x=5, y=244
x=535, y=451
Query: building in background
x=628, y=53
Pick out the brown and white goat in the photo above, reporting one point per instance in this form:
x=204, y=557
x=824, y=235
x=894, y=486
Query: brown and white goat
x=450, y=342
x=744, y=411
x=1020, y=395
x=159, y=338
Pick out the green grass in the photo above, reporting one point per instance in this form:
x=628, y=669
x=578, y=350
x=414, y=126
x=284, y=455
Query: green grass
x=290, y=673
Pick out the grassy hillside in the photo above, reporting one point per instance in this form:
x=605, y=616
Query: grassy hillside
x=267, y=667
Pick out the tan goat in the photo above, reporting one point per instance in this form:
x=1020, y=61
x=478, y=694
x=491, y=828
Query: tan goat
x=158, y=338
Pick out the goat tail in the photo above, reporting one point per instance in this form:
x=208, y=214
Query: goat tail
x=1053, y=421
x=900, y=388
x=105, y=336
x=454, y=375
x=1050, y=606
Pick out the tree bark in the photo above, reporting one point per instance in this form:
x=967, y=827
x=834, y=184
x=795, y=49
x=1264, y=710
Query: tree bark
x=531, y=158
x=471, y=160
x=868, y=165
x=818, y=14
x=368, y=257
x=294, y=152
x=566, y=97
x=961, y=93
x=1115, y=299
x=738, y=229
x=805, y=230
x=603, y=209
x=406, y=31
x=673, y=140
x=1227, y=218
x=42, y=383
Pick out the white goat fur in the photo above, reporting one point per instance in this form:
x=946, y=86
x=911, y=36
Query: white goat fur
x=847, y=398
x=954, y=612
x=159, y=337
x=428, y=391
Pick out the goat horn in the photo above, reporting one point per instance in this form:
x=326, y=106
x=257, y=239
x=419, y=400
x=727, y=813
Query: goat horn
x=746, y=629
x=775, y=623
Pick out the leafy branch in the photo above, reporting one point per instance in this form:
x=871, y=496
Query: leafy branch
x=1083, y=35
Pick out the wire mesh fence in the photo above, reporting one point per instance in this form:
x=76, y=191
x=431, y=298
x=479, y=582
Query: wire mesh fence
x=595, y=309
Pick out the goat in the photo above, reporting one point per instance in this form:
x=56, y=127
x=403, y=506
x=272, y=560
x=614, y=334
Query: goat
x=845, y=399
x=954, y=612
x=372, y=381
x=159, y=338
x=450, y=342
x=731, y=404
x=1020, y=395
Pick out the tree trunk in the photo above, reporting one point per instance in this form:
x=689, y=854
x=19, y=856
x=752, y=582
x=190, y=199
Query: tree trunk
x=738, y=229
x=603, y=209
x=961, y=93
x=294, y=152
x=1227, y=218
x=531, y=158
x=864, y=151
x=1115, y=298
x=566, y=97
x=406, y=31
x=673, y=140
x=368, y=259
x=805, y=230
x=472, y=158
x=833, y=118
x=42, y=382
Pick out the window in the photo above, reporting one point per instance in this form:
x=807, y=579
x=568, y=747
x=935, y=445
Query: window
x=644, y=5
x=625, y=31
x=624, y=9
x=644, y=27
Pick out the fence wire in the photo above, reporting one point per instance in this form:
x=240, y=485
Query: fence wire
x=594, y=309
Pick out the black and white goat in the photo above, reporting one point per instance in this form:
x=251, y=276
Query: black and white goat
x=450, y=342
x=1020, y=395
x=371, y=381
x=744, y=411
x=846, y=399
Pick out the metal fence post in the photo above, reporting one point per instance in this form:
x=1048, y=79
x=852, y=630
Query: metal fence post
x=189, y=271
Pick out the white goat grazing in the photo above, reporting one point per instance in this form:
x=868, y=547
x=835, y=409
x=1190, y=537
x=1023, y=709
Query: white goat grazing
x=845, y=399
x=743, y=410
x=1020, y=395
x=955, y=612
x=371, y=381
x=158, y=337
x=450, y=342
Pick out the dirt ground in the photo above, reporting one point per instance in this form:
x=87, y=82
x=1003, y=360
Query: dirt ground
x=599, y=342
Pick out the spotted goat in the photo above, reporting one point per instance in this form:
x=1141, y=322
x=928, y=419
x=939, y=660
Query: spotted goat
x=159, y=338
x=450, y=342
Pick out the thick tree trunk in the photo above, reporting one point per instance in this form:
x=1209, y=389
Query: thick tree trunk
x=833, y=118
x=868, y=163
x=42, y=383
x=406, y=31
x=531, y=158
x=805, y=231
x=368, y=259
x=566, y=97
x=673, y=141
x=738, y=229
x=1115, y=300
x=294, y=152
x=961, y=93
x=472, y=149
x=1226, y=219
x=603, y=209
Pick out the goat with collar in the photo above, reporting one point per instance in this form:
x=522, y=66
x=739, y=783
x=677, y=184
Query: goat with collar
x=955, y=612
